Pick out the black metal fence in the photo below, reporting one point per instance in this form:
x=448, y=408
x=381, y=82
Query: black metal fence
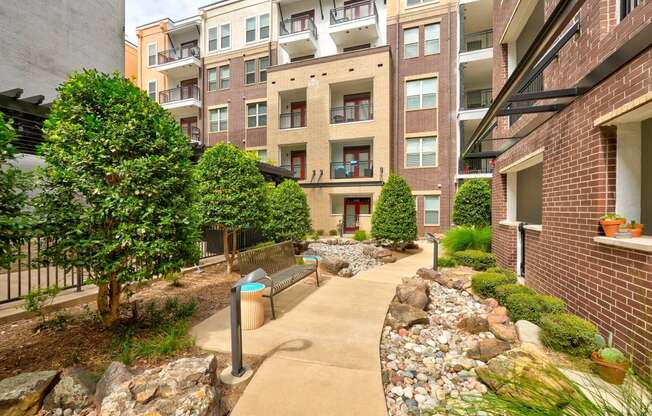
x=212, y=242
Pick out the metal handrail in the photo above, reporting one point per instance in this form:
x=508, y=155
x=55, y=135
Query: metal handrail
x=354, y=11
x=295, y=175
x=288, y=26
x=176, y=54
x=352, y=113
x=179, y=93
x=476, y=166
x=485, y=37
x=485, y=98
x=352, y=169
x=292, y=120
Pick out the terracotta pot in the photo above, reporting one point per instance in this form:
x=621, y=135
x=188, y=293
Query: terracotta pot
x=611, y=373
x=611, y=227
x=636, y=231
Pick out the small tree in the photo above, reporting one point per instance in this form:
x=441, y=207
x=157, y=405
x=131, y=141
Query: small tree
x=289, y=215
x=232, y=193
x=472, y=204
x=117, y=195
x=14, y=221
x=395, y=215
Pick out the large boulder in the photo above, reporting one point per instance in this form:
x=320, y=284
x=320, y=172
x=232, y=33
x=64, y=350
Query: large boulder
x=414, y=292
x=428, y=274
x=388, y=259
x=529, y=332
x=333, y=264
x=22, y=395
x=381, y=253
x=74, y=390
x=473, y=324
x=114, y=376
x=500, y=325
x=486, y=349
x=182, y=387
x=368, y=250
x=402, y=315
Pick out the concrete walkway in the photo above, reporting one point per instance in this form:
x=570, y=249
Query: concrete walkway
x=323, y=349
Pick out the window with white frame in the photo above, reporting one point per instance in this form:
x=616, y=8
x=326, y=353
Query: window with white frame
x=211, y=74
x=421, y=93
x=421, y=152
x=431, y=210
x=250, y=29
x=263, y=22
x=225, y=77
x=525, y=190
x=151, y=54
x=411, y=42
x=225, y=36
x=256, y=115
x=250, y=72
x=262, y=155
x=416, y=2
x=431, y=41
x=151, y=90
x=263, y=64
x=219, y=119
x=212, y=39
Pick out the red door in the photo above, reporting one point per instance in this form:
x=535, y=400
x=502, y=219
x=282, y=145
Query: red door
x=353, y=208
x=357, y=107
x=187, y=88
x=302, y=21
x=357, y=161
x=298, y=111
x=298, y=163
x=188, y=125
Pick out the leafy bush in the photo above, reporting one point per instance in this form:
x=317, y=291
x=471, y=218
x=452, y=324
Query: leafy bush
x=502, y=270
x=478, y=260
x=36, y=300
x=531, y=307
x=568, y=333
x=360, y=235
x=502, y=291
x=446, y=262
x=472, y=205
x=289, y=215
x=320, y=232
x=485, y=284
x=332, y=233
x=395, y=217
x=467, y=238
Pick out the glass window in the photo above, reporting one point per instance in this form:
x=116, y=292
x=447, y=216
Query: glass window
x=250, y=72
x=431, y=210
x=431, y=42
x=263, y=63
x=212, y=79
x=151, y=54
x=264, y=26
x=250, y=27
x=421, y=152
x=225, y=36
x=421, y=93
x=219, y=119
x=257, y=115
x=212, y=39
x=225, y=76
x=151, y=90
x=626, y=7
x=411, y=42
x=415, y=2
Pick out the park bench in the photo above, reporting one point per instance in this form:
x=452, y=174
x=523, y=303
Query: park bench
x=279, y=263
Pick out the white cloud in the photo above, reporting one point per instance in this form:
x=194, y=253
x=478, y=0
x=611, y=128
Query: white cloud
x=139, y=12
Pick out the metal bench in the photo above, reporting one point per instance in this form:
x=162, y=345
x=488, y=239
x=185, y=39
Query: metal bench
x=279, y=262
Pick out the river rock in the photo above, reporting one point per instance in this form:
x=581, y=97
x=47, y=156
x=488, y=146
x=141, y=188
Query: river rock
x=333, y=264
x=486, y=349
x=23, y=394
x=414, y=292
x=74, y=390
x=403, y=315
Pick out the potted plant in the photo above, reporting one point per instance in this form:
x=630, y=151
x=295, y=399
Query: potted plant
x=611, y=223
x=611, y=364
x=636, y=229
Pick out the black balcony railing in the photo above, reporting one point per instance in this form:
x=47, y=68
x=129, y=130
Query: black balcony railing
x=477, y=40
x=297, y=25
x=355, y=11
x=298, y=171
x=352, y=169
x=351, y=113
x=176, y=54
x=180, y=93
x=536, y=85
x=476, y=166
x=292, y=120
x=477, y=99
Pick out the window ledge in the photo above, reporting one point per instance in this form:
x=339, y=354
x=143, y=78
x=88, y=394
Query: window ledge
x=643, y=243
x=509, y=223
x=534, y=227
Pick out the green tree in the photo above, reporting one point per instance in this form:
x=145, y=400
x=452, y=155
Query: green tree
x=232, y=193
x=14, y=183
x=472, y=204
x=395, y=215
x=289, y=215
x=117, y=193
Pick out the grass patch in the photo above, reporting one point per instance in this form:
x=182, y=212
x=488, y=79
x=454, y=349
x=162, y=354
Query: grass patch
x=467, y=238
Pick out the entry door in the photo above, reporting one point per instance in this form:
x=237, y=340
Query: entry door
x=302, y=21
x=357, y=107
x=187, y=88
x=356, y=161
x=187, y=49
x=353, y=208
x=188, y=125
x=298, y=163
x=298, y=111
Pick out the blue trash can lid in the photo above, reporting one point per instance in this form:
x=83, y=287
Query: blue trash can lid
x=252, y=287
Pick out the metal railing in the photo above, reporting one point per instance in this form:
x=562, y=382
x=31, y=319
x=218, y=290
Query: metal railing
x=477, y=99
x=352, y=169
x=296, y=171
x=212, y=241
x=477, y=40
x=355, y=11
x=292, y=120
x=176, y=54
x=351, y=113
x=298, y=25
x=179, y=93
x=194, y=134
x=536, y=85
x=476, y=166
x=347, y=220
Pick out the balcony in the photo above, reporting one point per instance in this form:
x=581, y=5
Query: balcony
x=351, y=101
x=298, y=36
x=476, y=167
x=352, y=169
x=181, y=101
x=180, y=62
x=477, y=41
x=194, y=134
x=292, y=120
x=352, y=113
x=293, y=158
x=474, y=99
x=351, y=159
x=293, y=111
x=354, y=24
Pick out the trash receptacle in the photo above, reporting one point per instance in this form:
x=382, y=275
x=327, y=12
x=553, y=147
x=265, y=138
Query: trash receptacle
x=252, y=307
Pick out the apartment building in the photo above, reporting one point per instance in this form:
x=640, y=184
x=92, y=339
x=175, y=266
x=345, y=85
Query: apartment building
x=570, y=130
x=131, y=61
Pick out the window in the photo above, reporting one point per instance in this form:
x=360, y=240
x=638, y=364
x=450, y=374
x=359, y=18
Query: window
x=219, y=119
x=431, y=210
x=411, y=42
x=626, y=7
x=416, y=2
x=212, y=39
x=264, y=26
x=151, y=54
x=250, y=72
x=257, y=115
x=431, y=42
x=211, y=75
x=225, y=76
x=421, y=152
x=421, y=93
x=225, y=36
x=250, y=27
x=262, y=155
x=263, y=63
x=151, y=90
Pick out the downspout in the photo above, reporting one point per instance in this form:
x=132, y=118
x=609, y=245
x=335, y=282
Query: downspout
x=451, y=182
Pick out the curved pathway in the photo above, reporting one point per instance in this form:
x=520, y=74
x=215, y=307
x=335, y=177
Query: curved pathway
x=323, y=349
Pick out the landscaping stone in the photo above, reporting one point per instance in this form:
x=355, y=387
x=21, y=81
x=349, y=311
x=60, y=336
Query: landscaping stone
x=403, y=315
x=529, y=333
x=388, y=259
x=333, y=264
x=486, y=349
x=74, y=390
x=500, y=325
x=22, y=395
x=428, y=274
x=381, y=252
x=115, y=375
x=345, y=272
x=474, y=324
x=355, y=254
x=413, y=292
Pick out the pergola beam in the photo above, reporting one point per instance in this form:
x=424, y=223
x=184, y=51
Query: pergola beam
x=548, y=108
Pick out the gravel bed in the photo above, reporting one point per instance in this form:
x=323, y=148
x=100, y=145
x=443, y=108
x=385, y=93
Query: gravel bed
x=352, y=253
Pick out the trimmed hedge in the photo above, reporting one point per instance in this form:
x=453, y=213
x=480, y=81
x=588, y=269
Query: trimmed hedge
x=472, y=205
x=568, y=333
x=446, y=262
x=477, y=259
x=360, y=235
x=501, y=270
x=485, y=284
x=503, y=291
x=531, y=307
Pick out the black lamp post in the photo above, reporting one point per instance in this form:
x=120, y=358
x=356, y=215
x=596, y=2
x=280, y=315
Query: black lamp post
x=435, y=251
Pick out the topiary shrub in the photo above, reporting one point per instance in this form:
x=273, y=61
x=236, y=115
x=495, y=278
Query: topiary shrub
x=472, y=205
x=478, y=260
x=467, y=238
x=360, y=235
x=446, y=262
x=568, y=333
x=485, y=284
x=395, y=217
x=289, y=215
x=531, y=307
x=502, y=291
x=552, y=304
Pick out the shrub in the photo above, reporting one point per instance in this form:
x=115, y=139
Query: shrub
x=568, y=333
x=289, y=215
x=531, y=307
x=320, y=232
x=446, y=262
x=472, y=205
x=502, y=270
x=38, y=299
x=360, y=235
x=552, y=304
x=477, y=259
x=395, y=217
x=467, y=238
x=485, y=284
x=332, y=233
x=502, y=291
x=612, y=355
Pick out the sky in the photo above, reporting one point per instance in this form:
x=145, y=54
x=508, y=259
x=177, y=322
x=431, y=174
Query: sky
x=139, y=12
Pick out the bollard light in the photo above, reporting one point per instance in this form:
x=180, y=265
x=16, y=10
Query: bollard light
x=435, y=251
